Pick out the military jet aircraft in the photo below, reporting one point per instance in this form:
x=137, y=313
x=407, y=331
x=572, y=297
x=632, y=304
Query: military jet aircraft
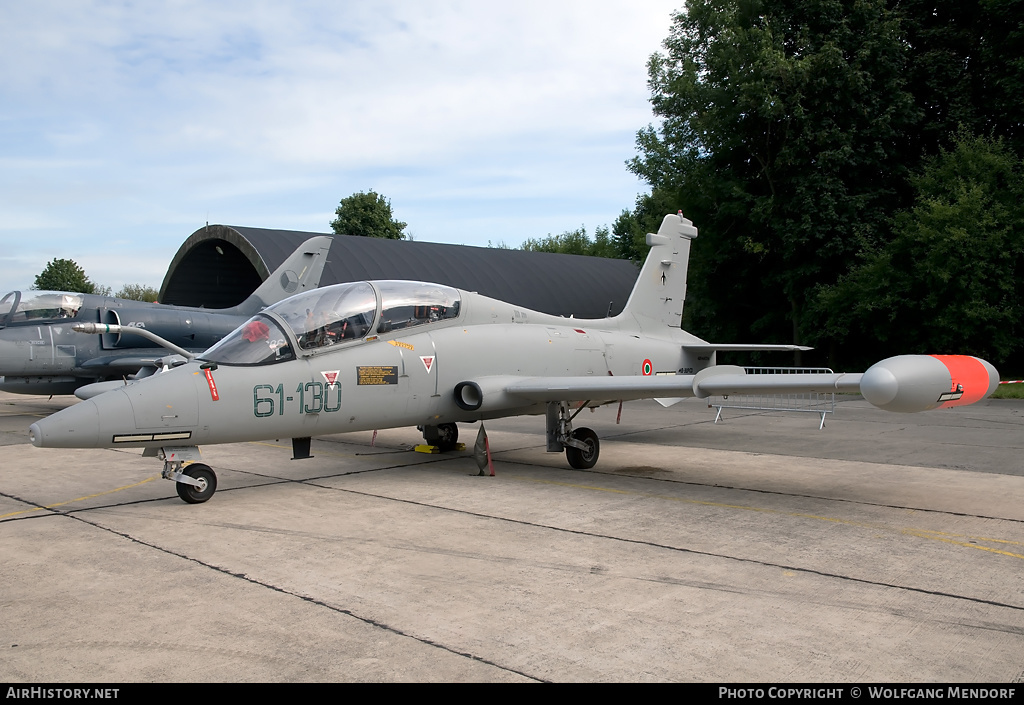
x=371, y=355
x=41, y=354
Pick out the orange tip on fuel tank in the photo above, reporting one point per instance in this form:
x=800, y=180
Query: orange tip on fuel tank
x=971, y=379
x=909, y=383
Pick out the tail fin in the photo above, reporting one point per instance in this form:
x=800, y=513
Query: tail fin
x=657, y=298
x=301, y=271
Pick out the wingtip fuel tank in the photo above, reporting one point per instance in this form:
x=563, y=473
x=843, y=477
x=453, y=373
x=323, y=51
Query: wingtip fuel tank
x=910, y=383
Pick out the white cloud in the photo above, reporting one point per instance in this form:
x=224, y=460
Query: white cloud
x=123, y=117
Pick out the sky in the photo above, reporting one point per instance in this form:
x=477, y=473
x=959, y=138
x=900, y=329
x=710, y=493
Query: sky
x=127, y=126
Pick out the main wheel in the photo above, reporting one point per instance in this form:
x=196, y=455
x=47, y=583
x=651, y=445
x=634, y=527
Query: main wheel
x=207, y=480
x=583, y=459
x=447, y=437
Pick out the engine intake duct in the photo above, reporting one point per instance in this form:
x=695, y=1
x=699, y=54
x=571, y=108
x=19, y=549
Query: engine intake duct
x=486, y=394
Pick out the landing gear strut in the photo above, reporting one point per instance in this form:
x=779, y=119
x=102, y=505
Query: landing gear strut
x=445, y=436
x=581, y=445
x=196, y=482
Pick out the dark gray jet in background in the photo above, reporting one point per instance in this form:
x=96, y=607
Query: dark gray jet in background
x=40, y=354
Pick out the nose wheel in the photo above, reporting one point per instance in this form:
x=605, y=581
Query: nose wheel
x=195, y=483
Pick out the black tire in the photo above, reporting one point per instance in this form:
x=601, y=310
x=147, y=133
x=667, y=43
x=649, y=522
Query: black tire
x=197, y=495
x=583, y=459
x=447, y=437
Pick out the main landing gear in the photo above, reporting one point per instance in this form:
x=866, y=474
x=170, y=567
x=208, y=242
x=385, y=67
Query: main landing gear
x=444, y=436
x=581, y=445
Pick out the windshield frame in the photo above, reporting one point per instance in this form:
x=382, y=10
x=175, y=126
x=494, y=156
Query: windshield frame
x=274, y=345
x=340, y=314
x=67, y=304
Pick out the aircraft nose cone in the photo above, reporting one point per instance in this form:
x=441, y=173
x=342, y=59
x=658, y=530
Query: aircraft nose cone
x=74, y=427
x=87, y=424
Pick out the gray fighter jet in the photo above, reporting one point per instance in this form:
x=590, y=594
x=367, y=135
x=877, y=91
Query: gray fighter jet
x=371, y=355
x=41, y=354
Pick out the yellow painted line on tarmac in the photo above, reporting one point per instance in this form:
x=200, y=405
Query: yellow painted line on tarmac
x=954, y=539
x=78, y=499
x=969, y=543
x=270, y=445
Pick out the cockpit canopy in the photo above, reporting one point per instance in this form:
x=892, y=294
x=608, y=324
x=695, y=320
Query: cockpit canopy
x=35, y=306
x=322, y=318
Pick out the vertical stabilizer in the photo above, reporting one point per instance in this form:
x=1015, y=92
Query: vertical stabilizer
x=300, y=272
x=657, y=298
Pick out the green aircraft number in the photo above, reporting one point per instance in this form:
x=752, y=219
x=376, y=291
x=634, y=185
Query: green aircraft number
x=313, y=399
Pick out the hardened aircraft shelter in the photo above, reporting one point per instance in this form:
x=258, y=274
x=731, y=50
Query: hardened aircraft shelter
x=219, y=265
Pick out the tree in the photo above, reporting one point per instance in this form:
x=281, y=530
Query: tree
x=782, y=140
x=949, y=281
x=138, y=292
x=64, y=275
x=367, y=215
x=965, y=68
x=576, y=242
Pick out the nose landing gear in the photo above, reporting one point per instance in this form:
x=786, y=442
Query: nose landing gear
x=195, y=482
x=205, y=484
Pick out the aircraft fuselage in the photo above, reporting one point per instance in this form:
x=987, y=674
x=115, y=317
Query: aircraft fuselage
x=44, y=356
x=396, y=378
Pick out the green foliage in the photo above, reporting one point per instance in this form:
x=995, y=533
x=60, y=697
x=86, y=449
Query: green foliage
x=630, y=237
x=965, y=67
x=780, y=140
x=949, y=282
x=576, y=242
x=367, y=215
x=790, y=133
x=1008, y=391
x=138, y=292
x=64, y=275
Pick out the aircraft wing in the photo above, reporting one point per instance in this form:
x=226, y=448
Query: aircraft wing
x=728, y=380
x=742, y=347
x=600, y=388
x=905, y=383
x=505, y=392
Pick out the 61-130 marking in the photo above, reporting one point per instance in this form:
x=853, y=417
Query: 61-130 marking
x=266, y=399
